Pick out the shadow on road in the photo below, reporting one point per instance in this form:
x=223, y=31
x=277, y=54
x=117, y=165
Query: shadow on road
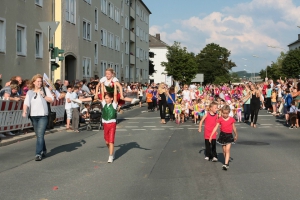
x=66, y=148
x=124, y=148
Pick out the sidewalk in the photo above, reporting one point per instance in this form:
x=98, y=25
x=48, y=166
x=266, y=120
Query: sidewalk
x=29, y=135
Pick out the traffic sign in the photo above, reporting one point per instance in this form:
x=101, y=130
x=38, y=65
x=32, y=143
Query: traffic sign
x=53, y=26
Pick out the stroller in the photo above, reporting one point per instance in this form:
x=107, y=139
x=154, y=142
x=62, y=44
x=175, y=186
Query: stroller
x=95, y=118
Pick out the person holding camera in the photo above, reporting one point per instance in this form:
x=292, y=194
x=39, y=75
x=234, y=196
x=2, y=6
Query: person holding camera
x=35, y=107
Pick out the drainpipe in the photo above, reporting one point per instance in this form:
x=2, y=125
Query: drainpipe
x=129, y=40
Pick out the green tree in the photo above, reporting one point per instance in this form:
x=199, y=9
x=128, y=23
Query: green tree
x=213, y=61
x=274, y=71
x=291, y=64
x=181, y=64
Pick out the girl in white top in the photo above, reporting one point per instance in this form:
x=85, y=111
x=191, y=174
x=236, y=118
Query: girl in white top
x=186, y=94
x=107, y=85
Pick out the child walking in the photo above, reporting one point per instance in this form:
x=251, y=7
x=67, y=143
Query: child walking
x=210, y=123
x=177, y=111
x=226, y=138
x=109, y=115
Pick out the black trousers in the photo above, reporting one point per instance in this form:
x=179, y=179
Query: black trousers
x=150, y=105
x=254, y=114
x=162, y=109
x=210, y=148
x=171, y=109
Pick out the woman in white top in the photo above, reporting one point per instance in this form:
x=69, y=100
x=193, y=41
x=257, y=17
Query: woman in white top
x=35, y=106
x=140, y=94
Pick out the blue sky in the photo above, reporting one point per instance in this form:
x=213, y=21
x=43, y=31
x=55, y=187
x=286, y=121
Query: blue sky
x=245, y=27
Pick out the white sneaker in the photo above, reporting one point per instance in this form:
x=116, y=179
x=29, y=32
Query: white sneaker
x=135, y=100
x=214, y=159
x=9, y=133
x=206, y=158
x=110, y=159
x=2, y=135
x=77, y=101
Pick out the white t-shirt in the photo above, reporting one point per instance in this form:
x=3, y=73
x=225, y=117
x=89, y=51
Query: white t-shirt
x=186, y=95
x=114, y=106
x=106, y=82
x=68, y=105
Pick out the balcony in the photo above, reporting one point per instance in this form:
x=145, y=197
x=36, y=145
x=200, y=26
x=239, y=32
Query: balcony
x=132, y=59
x=132, y=36
x=132, y=13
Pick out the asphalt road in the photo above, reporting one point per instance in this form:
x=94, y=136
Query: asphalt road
x=155, y=161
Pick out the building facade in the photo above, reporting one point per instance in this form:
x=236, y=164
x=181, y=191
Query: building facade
x=159, y=48
x=295, y=45
x=22, y=42
x=94, y=34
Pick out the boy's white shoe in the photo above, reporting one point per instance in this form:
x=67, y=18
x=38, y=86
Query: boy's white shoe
x=77, y=101
x=2, y=135
x=206, y=158
x=110, y=159
x=134, y=101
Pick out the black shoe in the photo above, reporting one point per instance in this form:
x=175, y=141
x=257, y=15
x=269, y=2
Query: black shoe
x=38, y=158
x=225, y=167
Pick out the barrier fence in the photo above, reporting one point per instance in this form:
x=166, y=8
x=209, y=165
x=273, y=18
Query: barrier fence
x=11, y=113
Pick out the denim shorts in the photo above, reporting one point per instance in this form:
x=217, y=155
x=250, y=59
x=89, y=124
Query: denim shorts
x=69, y=113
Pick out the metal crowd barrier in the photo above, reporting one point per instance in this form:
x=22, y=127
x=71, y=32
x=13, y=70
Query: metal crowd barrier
x=11, y=115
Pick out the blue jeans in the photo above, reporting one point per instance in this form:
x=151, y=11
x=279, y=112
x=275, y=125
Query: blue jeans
x=40, y=124
x=246, y=112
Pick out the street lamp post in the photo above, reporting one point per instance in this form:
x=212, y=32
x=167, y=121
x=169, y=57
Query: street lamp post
x=266, y=67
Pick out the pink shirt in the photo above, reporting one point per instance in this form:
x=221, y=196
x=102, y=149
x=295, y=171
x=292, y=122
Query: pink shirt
x=209, y=125
x=226, y=125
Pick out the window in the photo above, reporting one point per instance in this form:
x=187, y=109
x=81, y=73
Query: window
x=96, y=53
x=117, y=70
x=103, y=67
x=122, y=8
x=39, y=2
x=126, y=71
x=146, y=74
x=2, y=35
x=104, y=6
x=117, y=43
x=137, y=10
x=126, y=22
x=127, y=2
x=137, y=31
x=86, y=30
x=137, y=52
x=141, y=54
x=137, y=73
x=117, y=15
x=38, y=44
x=96, y=19
x=122, y=59
x=86, y=67
x=111, y=40
x=122, y=34
x=21, y=40
x=103, y=35
x=111, y=10
x=70, y=11
x=88, y=1
x=126, y=47
x=147, y=38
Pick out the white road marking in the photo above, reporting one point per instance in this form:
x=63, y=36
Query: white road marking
x=139, y=129
x=193, y=128
x=158, y=129
x=149, y=126
x=266, y=124
x=149, y=122
x=133, y=122
x=131, y=126
x=264, y=127
x=121, y=129
x=176, y=128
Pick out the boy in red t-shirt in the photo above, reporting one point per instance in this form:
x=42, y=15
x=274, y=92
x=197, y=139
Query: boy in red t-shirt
x=210, y=123
x=226, y=138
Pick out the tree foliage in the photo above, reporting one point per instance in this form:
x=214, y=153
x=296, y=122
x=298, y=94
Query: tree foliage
x=274, y=71
x=291, y=64
x=181, y=64
x=213, y=61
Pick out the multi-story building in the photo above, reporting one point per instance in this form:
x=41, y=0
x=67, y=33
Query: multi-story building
x=295, y=45
x=159, y=48
x=23, y=47
x=94, y=34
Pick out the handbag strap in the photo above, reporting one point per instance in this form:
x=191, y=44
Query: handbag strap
x=48, y=104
